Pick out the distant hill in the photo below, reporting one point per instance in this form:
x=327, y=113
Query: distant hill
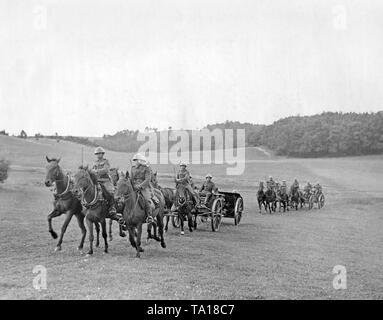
x=326, y=134
x=321, y=135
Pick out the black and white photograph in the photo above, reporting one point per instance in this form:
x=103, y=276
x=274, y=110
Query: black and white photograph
x=189, y=150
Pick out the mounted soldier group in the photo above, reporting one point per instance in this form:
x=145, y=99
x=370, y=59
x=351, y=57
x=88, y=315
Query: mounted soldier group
x=278, y=193
x=99, y=193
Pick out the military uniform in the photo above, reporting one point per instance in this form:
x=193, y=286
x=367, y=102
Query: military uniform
x=101, y=168
x=183, y=177
x=283, y=187
x=270, y=184
x=307, y=189
x=141, y=179
x=294, y=187
x=207, y=189
x=318, y=188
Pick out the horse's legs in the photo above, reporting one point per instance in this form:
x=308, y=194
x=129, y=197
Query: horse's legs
x=68, y=218
x=138, y=241
x=160, y=223
x=155, y=235
x=55, y=213
x=132, y=234
x=104, y=234
x=149, y=232
x=132, y=239
x=80, y=219
x=98, y=234
x=122, y=233
x=110, y=230
x=181, y=218
x=190, y=221
x=89, y=224
x=167, y=224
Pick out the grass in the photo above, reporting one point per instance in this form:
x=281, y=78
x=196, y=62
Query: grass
x=280, y=256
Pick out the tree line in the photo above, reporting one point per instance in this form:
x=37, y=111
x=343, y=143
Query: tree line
x=325, y=134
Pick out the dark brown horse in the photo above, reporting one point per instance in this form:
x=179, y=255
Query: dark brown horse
x=261, y=199
x=169, y=195
x=115, y=175
x=134, y=213
x=283, y=200
x=184, y=205
x=65, y=202
x=96, y=208
x=270, y=200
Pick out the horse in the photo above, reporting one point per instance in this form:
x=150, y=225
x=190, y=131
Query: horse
x=169, y=196
x=261, y=199
x=295, y=199
x=65, y=202
x=134, y=213
x=283, y=200
x=115, y=176
x=96, y=208
x=184, y=205
x=270, y=200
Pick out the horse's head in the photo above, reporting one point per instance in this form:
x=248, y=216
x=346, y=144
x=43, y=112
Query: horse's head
x=181, y=196
x=84, y=178
x=124, y=186
x=114, y=174
x=54, y=172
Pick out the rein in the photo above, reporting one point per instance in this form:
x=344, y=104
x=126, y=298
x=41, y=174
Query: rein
x=94, y=201
x=126, y=196
x=59, y=195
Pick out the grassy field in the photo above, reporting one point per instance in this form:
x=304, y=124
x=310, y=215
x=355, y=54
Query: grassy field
x=280, y=256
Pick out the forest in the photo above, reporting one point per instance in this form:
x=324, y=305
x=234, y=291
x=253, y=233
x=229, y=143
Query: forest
x=321, y=135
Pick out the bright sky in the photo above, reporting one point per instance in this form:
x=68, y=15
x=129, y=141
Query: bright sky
x=88, y=67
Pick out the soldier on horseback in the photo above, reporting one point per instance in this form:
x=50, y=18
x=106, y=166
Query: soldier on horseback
x=270, y=183
x=208, y=188
x=101, y=168
x=307, y=189
x=318, y=189
x=183, y=177
x=294, y=187
x=141, y=179
x=283, y=187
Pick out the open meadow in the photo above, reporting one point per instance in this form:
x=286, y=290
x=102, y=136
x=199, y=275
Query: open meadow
x=280, y=256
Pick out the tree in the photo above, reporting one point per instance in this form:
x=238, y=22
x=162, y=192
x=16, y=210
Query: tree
x=23, y=135
x=4, y=167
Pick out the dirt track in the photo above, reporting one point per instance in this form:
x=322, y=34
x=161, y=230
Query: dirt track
x=287, y=256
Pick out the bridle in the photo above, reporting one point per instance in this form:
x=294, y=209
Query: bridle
x=83, y=192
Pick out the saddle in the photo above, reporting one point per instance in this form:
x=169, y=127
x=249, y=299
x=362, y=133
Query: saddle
x=142, y=201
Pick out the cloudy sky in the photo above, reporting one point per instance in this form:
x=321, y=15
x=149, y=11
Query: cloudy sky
x=89, y=67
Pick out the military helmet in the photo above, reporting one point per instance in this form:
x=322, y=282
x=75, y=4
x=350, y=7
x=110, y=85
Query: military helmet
x=138, y=156
x=182, y=163
x=99, y=150
x=208, y=176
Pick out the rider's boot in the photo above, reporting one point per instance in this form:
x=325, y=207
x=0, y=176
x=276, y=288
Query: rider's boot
x=149, y=212
x=114, y=215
